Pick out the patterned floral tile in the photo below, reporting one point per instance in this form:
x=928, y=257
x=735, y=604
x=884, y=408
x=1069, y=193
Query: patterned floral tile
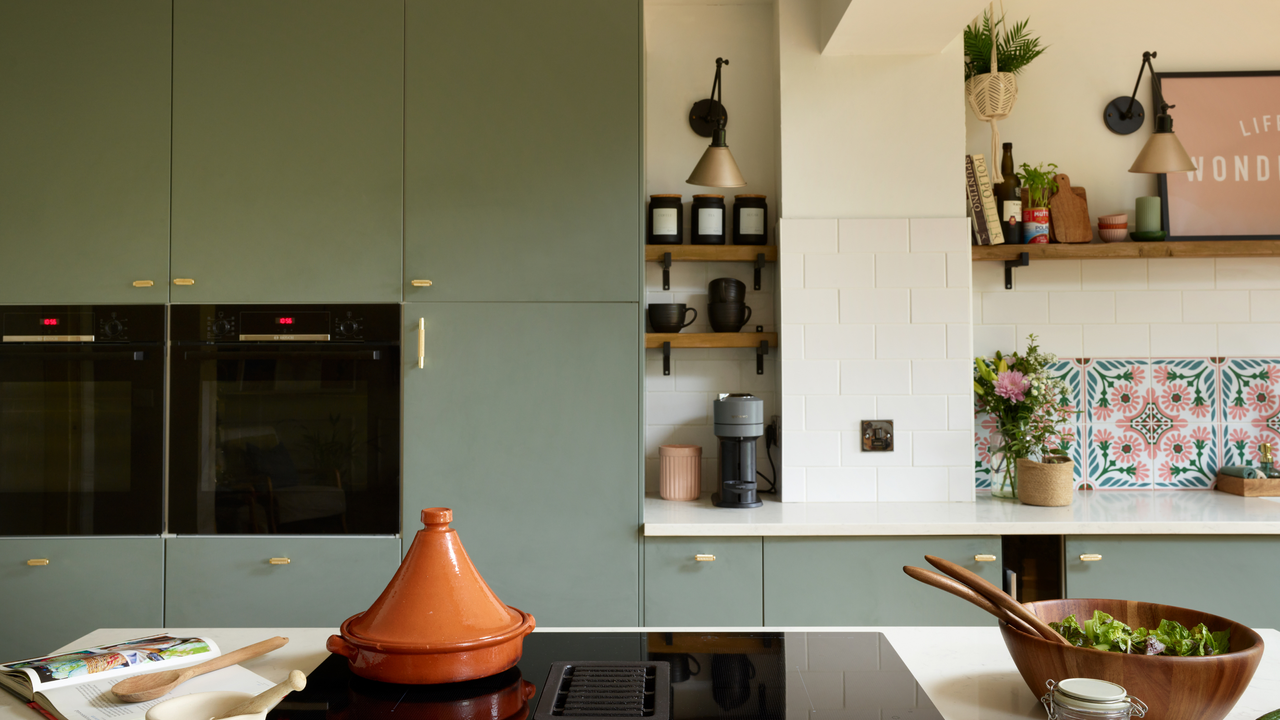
x=1251, y=392
x=1117, y=459
x=1115, y=390
x=1240, y=443
x=1187, y=388
x=985, y=466
x=1187, y=458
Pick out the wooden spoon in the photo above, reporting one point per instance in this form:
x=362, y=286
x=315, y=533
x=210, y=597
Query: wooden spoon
x=942, y=582
x=267, y=699
x=141, y=688
x=997, y=596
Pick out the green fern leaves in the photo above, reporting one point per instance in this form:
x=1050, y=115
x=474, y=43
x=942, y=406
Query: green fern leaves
x=1015, y=51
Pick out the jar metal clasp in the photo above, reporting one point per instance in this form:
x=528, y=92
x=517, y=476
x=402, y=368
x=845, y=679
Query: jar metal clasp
x=1136, y=708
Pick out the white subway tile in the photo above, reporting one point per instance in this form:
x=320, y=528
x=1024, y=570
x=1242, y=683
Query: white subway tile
x=853, y=270
x=810, y=448
x=960, y=340
x=841, y=484
x=839, y=342
x=1117, y=341
x=1180, y=274
x=911, y=270
x=1264, y=305
x=760, y=385
x=675, y=408
x=793, y=412
x=911, y=341
x=1065, y=341
x=761, y=304
x=697, y=301
x=807, y=236
x=952, y=447
x=838, y=412
x=1253, y=339
x=1184, y=340
x=912, y=484
x=1215, y=306
x=1148, y=306
x=707, y=375
x=940, y=305
x=874, y=235
x=1044, y=275
x=684, y=276
x=939, y=234
x=810, y=377
x=960, y=413
x=654, y=380
x=1007, y=307
x=1259, y=273
x=792, y=484
x=912, y=412
x=875, y=377
x=960, y=269
x=651, y=297
x=987, y=339
x=875, y=306
x=791, y=270
x=791, y=341
x=810, y=306
x=940, y=377
x=975, y=308
x=987, y=275
x=852, y=454
x=1113, y=274
x=1068, y=308
x=656, y=436
x=960, y=484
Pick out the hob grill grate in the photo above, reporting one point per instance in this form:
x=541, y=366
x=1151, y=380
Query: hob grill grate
x=600, y=690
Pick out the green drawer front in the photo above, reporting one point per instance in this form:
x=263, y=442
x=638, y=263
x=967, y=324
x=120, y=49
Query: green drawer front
x=859, y=581
x=1237, y=576
x=88, y=584
x=680, y=590
x=230, y=582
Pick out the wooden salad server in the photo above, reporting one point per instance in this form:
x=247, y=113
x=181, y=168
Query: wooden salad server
x=997, y=596
x=141, y=688
x=267, y=699
x=960, y=590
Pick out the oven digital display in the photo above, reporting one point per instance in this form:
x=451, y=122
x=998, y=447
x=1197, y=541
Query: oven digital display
x=285, y=320
x=48, y=321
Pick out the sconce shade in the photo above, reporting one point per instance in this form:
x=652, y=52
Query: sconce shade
x=717, y=169
x=1163, y=154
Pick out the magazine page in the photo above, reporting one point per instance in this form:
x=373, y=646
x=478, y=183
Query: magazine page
x=131, y=657
x=94, y=700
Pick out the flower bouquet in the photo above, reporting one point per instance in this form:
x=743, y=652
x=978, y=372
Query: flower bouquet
x=1027, y=406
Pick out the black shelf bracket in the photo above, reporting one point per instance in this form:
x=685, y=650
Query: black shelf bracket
x=666, y=358
x=759, y=265
x=1024, y=259
x=760, y=353
x=666, y=271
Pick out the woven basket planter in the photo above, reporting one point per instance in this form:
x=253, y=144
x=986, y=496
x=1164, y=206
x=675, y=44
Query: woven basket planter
x=1046, y=484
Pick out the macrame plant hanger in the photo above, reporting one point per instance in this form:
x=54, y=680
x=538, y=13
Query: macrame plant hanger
x=991, y=95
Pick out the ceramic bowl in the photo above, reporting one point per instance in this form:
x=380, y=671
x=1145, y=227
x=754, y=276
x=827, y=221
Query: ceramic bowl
x=201, y=705
x=1110, y=235
x=1115, y=219
x=1113, y=226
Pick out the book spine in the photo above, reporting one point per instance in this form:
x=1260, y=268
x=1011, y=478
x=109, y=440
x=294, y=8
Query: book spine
x=981, y=233
x=988, y=195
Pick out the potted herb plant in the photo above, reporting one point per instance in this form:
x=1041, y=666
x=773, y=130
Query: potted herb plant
x=993, y=54
x=1032, y=418
x=1040, y=187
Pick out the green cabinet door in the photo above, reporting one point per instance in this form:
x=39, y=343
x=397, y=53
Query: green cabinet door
x=287, y=150
x=274, y=581
x=814, y=581
x=716, y=582
x=1235, y=576
x=84, y=151
x=55, y=590
x=524, y=419
x=523, y=129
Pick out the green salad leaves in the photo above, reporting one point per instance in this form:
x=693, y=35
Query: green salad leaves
x=1104, y=632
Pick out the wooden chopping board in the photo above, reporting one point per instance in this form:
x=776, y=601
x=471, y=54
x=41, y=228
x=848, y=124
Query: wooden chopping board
x=1084, y=199
x=1069, y=213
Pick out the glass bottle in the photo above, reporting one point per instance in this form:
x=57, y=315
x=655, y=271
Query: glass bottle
x=1267, y=465
x=1009, y=198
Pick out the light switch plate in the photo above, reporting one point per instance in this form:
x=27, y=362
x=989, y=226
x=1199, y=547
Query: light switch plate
x=877, y=436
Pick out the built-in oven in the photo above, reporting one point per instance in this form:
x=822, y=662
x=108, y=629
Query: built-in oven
x=82, y=420
x=284, y=419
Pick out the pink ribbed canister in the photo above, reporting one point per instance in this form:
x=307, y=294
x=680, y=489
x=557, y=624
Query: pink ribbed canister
x=680, y=477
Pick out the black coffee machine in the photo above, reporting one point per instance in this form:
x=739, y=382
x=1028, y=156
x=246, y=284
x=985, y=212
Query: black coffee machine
x=739, y=422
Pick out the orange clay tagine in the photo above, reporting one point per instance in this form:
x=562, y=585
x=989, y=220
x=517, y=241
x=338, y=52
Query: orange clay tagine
x=437, y=621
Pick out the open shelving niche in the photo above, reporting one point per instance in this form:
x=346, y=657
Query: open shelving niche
x=667, y=254
x=1022, y=255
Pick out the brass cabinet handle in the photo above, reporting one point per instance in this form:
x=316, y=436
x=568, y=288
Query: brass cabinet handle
x=1090, y=557
x=984, y=558
x=422, y=342
x=704, y=557
x=37, y=562
x=142, y=283
x=420, y=283
x=183, y=281
x=278, y=561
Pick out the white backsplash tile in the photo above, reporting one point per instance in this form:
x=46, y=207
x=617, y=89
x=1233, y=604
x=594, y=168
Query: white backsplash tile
x=841, y=484
x=839, y=412
x=874, y=377
x=875, y=305
x=911, y=341
x=878, y=235
x=911, y=270
x=808, y=236
x=853, y=270
x=838, y=342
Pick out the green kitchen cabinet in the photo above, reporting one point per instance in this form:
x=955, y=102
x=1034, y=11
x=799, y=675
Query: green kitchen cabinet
x=84, y=151
x=856, y=581
x=703, y=582
x=274, y=581
x=287, y=150
x=525, y=420
x=523, y=150
x=1234, y=576
x=55, y=590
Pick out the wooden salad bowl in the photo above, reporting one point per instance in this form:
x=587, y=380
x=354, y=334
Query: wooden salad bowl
x=1174, y=688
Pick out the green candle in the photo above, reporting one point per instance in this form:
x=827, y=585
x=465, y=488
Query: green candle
x=1149, y=214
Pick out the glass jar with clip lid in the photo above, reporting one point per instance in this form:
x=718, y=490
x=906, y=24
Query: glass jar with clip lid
x=1089, y=699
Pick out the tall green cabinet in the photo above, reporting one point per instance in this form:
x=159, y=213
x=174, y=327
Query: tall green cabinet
x=84, y=151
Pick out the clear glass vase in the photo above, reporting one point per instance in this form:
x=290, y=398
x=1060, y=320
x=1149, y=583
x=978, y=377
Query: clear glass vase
x=1004, y=481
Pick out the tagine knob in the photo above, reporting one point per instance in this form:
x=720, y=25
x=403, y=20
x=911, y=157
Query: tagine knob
x=437, y=516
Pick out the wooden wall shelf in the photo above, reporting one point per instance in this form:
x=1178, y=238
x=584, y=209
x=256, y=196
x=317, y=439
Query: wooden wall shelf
x=759, y=340
x=711, y=253
x=1105, y=251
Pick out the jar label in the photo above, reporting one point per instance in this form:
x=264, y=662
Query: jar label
x=710, y=221
x=664, y=221
x=1012, y=212
x=751, y=221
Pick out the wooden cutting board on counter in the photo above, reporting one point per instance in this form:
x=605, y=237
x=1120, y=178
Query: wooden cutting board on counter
x=1054, y=203
x=1248, y=487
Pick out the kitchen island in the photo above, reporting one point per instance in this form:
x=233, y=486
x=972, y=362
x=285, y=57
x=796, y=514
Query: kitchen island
x=965, y=672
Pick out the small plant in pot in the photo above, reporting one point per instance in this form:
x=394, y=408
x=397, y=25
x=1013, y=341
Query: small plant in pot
x=1040, y=187
x=994, y=53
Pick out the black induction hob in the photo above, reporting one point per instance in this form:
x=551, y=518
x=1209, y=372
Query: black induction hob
x=751, y=676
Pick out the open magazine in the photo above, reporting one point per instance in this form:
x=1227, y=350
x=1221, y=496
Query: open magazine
x=25, y=678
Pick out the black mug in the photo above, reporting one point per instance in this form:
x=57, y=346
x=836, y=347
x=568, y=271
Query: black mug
x=679, y=662
x=728, y=317
x=727, y=290
x=669, y=317
x=731, y=677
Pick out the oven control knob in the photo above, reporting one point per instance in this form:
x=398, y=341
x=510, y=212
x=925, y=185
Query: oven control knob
x=347, y=327
x=112, y=328
x=221, y=327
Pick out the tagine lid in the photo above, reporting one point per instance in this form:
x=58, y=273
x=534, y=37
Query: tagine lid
x=437, y=601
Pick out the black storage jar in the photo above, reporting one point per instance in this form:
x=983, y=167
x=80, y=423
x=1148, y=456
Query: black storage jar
x=707, y=221
x=750, y=220
x=666, y=220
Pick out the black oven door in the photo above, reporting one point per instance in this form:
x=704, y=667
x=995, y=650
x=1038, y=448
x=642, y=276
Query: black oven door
x=288, y=438
x=81, y=439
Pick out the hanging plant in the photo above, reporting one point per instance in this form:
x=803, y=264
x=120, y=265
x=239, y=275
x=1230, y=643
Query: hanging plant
x=992, y=56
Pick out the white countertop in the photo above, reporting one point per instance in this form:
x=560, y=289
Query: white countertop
x=966, y=672
x=1093, y=513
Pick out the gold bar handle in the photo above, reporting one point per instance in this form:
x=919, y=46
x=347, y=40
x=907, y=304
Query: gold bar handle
x=38, y=562
x=422, y=342
x=142, y=283
x=420, y=283
x=704, y=557
x=1090, y=557
x=278, y=561
x=183, y=281
x=984, y=558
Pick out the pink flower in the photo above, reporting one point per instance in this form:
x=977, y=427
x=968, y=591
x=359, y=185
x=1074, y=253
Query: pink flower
x=1239, y=435
x=1237, y=412
x=1161, y=374
x=1201, y=433
x=1127, y=449
x=1126, y=399
x=1102, y=436
x=1138, y=374
x=991, y=425
x=1140, y=474
x=1165, y=473
x=1177, y=447
x=1176, y=398
x=1262, y=399
x=1012, y=385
